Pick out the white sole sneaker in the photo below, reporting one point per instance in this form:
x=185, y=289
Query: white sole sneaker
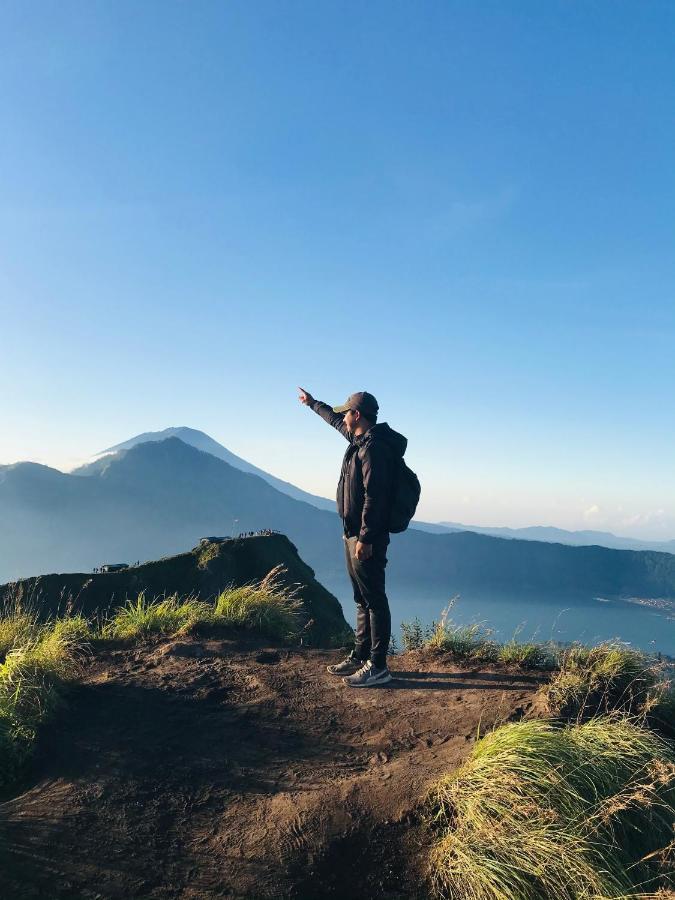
x=372, y=681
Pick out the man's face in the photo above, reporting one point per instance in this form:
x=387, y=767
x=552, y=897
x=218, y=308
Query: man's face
x=350, y=420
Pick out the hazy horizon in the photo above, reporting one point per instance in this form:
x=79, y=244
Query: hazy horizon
x=328, y=491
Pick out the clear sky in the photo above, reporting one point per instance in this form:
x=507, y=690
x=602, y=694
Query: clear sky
x=465, y=208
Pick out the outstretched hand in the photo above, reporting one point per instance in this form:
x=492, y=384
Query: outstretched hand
x=305, y=397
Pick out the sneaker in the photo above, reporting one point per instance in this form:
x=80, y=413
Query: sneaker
x=368, y=676
x=346, y=667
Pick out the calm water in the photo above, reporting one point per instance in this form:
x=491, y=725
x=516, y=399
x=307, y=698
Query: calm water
x=559, y=618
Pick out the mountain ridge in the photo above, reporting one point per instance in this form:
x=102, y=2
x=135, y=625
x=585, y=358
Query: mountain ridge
x=202, y=441
x=206, y=443
x=552, y=534
x=160, y=497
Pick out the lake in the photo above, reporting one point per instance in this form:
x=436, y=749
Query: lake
x=541, y=618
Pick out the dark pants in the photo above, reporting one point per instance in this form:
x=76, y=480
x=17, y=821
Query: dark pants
x=373, y=619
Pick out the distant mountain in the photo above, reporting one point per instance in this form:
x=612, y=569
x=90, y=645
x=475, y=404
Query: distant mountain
x=203, y=442
x=153, y=499
x=207, y=444
x=159, y=498
x=561, y=536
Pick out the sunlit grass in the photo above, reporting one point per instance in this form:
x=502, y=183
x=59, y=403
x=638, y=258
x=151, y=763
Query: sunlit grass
x=41, y=660
x=540, y=812
x=268, y=607
x=609, y=676
x=471, y=642
x=167, y=616
x=474, y=643
x=16, y=627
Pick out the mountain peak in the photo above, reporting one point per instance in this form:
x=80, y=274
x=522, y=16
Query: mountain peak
x=189, y=435
x=202, y=441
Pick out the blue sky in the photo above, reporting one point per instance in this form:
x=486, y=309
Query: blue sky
x=464, y=208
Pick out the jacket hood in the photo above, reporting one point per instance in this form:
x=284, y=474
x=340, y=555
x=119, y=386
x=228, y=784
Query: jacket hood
x=382, y=432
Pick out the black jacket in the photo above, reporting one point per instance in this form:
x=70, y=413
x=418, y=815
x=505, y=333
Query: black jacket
x=366, y=478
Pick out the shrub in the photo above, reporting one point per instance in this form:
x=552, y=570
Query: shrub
x=268, y=607
x=414, y=635
x=540, y=812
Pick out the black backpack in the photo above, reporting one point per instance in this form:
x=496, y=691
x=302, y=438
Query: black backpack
x=405, y=497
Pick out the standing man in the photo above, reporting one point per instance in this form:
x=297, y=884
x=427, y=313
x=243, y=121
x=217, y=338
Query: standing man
x=363, y=502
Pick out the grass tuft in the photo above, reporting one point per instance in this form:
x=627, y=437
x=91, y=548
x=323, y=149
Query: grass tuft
x=474, y=643
x=33, y=678
x=166, y=616
x=462, y=641
x=609, y=676
x=269, y=607
x=527, y=655
x=16, y=628
x=540, y=812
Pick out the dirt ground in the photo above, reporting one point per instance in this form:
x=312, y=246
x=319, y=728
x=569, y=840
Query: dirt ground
x=208, y=768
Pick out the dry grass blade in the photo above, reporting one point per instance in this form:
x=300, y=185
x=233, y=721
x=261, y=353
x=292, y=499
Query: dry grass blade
x=542, y=811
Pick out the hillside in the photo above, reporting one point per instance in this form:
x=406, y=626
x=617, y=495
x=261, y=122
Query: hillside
x=202, y=572
x=207, y=768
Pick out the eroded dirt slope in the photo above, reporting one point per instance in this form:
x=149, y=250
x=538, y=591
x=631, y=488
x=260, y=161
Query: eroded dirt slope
x=205, y=768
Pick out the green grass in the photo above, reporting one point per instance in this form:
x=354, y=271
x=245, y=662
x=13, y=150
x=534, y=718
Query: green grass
x=267, y=607
x=609, y=676
x=470, y=642
x=527, y=655
x=169, y=616
x=540, y=812
x=414, y=635
x=34, y=674
x=16, y=628
x=474, y=643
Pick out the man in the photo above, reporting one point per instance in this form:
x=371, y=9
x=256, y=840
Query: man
x=363, y=502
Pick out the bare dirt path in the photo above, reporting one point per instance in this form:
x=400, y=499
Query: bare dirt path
x=204, y=768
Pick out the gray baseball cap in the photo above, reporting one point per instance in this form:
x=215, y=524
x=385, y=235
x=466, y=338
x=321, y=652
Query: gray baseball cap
x=362, y=400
